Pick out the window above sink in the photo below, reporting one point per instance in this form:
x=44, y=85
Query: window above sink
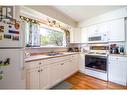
x=52, y=38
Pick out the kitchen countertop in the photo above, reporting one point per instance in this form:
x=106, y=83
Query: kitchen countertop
x=119, y=55
x=41, y=56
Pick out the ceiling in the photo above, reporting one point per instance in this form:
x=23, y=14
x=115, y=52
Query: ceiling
x=79, y=13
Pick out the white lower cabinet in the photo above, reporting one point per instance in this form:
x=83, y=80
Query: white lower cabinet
x=75, y=62
x=64, y=66
x=117, y=72
x=55, y=76
x=32, y=78
x=82, y=63
x=54, y=71
x=44, y=76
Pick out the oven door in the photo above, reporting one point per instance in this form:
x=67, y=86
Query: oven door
x=95, y=62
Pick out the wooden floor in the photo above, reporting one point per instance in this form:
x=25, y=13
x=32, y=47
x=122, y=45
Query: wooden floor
x=82, y=81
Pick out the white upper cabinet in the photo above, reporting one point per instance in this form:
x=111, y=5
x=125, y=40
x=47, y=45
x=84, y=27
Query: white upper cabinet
x=110, y=31
x=92, y=30
x=98, y=30
x=84, y=36
x=103, y=31
x=75, y=35
x=116, y=30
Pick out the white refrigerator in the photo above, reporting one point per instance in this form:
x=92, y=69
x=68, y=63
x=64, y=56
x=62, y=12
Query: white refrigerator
x=12, y=74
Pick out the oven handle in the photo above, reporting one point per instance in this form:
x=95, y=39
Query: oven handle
x=96, y=56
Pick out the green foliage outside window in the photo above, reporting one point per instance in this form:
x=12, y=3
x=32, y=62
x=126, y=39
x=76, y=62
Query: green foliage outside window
x=50, y=37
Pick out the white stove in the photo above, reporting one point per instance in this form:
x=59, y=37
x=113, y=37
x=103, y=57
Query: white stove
x=96, y=61
x=97, y=54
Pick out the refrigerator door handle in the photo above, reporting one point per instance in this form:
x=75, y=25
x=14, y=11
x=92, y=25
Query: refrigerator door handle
x=22, y=60
x=22, y=65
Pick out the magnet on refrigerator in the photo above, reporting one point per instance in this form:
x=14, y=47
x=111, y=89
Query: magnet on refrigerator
x=1, y=74
x=1, y=29
x=1, y=37
x=7, y=36
x=13, y=32
x=17, y=26
x=16, y=38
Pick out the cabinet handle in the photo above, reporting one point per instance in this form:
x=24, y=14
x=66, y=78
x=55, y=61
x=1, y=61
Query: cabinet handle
x=62, y=64
x=40, y=63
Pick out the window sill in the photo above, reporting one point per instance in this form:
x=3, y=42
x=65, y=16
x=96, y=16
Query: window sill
x=44, y=47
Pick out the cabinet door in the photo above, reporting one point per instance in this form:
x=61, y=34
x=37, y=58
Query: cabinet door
x=84, y=35
x=117, y=30
x=117, y=72
x=32, y=78
x=75, y=35
x=103, y=29
x=92, y=30
x=44, y=77
x=75, y=62
x=82, y=62
x=55, y=73
x=64, y=69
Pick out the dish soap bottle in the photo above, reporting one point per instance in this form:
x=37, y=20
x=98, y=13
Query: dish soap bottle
x=121, y=50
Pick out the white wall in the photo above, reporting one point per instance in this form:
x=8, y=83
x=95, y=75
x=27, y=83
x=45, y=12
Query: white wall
x=51, y=12
x=119, y=13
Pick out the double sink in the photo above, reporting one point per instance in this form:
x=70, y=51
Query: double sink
x=58, y=53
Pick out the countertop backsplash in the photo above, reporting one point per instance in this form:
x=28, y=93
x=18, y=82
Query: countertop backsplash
x=81, y=46
x=55, y=49
x=46, y=49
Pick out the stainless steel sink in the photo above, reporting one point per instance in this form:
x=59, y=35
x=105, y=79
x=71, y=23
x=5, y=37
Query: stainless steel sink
x=55, y=54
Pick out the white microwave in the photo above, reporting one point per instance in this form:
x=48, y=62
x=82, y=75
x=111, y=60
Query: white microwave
x=97, y=38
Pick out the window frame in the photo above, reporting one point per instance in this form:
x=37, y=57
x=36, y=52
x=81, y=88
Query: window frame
x=55, y=29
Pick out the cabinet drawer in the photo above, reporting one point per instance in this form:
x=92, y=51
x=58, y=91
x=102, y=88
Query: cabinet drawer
x=75, y=55
x=66, y=57
x=56, y=60
x=118, y=58
x=33, y=64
